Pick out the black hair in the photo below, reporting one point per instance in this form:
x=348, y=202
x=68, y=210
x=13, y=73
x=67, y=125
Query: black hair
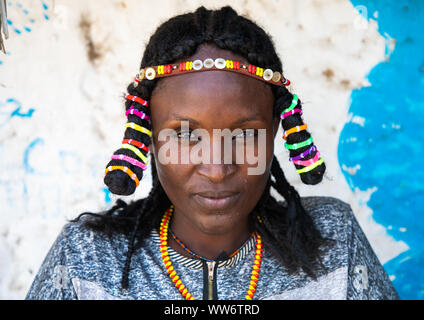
x=287, y=229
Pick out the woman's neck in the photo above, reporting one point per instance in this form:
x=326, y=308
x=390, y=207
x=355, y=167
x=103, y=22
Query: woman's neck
x=207, y=245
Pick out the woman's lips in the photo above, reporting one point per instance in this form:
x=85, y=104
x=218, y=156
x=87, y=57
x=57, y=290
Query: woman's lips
x=216, y=202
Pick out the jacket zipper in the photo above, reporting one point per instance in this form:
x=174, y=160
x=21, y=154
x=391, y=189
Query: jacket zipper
x=211, y=266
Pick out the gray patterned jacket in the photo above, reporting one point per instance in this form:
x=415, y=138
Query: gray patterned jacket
x=83, y=264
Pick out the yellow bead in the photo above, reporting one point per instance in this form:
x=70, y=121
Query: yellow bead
x=184, y=291
x=252, y=288
x=253, y=278
x=229, y=64
x=165, y=259
x=178, y=283
x=255, y=273
x=248, y=297
x=167, y=264
x=192, y=298
x=181, y=287
x=175, y=279
x=250, y=293
x=259, y=71
x=173, y=273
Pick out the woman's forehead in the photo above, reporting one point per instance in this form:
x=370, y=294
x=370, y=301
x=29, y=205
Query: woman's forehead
x=216, y=92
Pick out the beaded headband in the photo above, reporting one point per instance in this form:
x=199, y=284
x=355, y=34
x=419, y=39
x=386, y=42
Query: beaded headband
x=266, y=75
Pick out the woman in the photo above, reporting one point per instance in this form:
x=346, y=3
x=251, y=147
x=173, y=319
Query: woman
x=210, y=229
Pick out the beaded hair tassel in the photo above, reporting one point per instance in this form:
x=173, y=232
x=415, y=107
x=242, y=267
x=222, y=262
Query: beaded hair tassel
x=303, y=153
x=125, y=169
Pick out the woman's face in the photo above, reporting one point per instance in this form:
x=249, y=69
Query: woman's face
x=214, y=198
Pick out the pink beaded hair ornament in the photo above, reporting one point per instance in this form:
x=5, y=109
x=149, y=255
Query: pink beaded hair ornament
x=125, y=169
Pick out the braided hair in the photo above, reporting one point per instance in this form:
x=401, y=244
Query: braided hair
x=287, y=229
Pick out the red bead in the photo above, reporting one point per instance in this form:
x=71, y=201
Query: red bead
x=252, y=68
x=182, y=66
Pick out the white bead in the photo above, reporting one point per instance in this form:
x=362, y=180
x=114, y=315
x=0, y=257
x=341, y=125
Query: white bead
x=208, y=63
x=268, y=74
x=197, y=64
x=220, y=63
x=276, y=77
x=150, y=73
x=141, y=74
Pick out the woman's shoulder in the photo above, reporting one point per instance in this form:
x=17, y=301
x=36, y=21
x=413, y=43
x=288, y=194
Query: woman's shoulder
x=82, y=234
x=333, y=217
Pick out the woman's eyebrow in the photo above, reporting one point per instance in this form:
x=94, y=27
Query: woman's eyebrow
x=175, y=116
x=255, y=117
x=244, y=119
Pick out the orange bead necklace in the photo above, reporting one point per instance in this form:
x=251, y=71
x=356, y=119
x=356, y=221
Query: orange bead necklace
x=163, y=232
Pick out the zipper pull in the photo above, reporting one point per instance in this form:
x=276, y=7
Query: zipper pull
x=211, y=266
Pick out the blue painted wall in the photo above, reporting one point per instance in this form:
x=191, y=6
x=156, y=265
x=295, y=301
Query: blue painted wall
x=389, y=147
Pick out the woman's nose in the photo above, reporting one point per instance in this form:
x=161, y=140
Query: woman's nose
x=220, y=162
x=216, y=172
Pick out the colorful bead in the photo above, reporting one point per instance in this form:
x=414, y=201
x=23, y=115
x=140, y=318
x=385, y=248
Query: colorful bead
x=208, y=63
x=137, y=99
x=136, y=143
x=251, y=69
x=220, y=63
x=135, y=126
x=226, y=64
x=131, y=174
x=129, y=160
x=161, y=70
x=304, y=154
x=293, y=104
x=197, y=64
x=182, y=245
x=229, y=64
x=290, y=113
x=306, y=163
x=136, y=151
x=150, y=73
x=163, y=231
x=141, y=74
x=311, y=167
x=259, y=71
x=267, y=75
x=298, y=145
x=276, y=76
x=293, y=130
x=138, y=113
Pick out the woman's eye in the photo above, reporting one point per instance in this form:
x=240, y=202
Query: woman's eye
x=247, y=134
x=188, y=136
